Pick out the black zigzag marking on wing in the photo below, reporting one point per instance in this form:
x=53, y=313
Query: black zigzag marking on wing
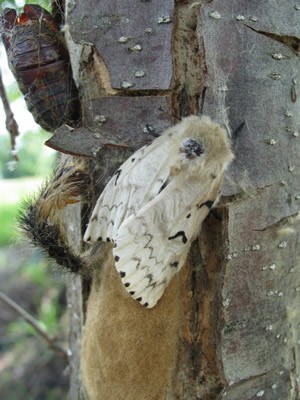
x=178, y=234
x=113, y=206
x=104, y=217
x=151, y=249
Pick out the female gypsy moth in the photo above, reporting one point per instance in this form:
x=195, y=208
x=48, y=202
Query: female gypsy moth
x=153, y=206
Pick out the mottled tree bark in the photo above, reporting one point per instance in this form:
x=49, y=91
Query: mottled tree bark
x=228, y=325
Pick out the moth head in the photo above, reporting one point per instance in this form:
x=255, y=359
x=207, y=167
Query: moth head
x=191, y=148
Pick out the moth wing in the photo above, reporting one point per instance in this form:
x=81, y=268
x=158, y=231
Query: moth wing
x=111, y=207
x=151, y=246
x=133, y=185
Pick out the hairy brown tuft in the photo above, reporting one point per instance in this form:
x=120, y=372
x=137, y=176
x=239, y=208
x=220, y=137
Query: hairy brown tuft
x=41, y=217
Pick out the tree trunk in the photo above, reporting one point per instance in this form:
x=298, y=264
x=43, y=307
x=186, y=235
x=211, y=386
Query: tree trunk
x=228, y=324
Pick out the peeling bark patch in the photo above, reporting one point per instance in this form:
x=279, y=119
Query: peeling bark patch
x=291, y=41
x=150, y=130
x=275, y=76
x=215, y=15
x=166, y=19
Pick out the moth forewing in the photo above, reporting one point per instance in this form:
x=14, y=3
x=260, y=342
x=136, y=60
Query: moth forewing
x=152, y=245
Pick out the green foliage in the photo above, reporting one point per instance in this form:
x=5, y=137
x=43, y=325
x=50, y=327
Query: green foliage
x=8, y=4
x=8, y=233
x=17, y=391
x=13, y=92
x=36, y=270
x=19, y=328
x=25, y=351
x=12, y=193
x=47, y=318
x=12, y=4
x=45, y=297
x=32, y=161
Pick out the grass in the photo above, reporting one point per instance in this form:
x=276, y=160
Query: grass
x=13, y=192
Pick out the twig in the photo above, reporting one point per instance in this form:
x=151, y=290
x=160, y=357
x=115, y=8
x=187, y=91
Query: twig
x=34, y=323
x=10, y=122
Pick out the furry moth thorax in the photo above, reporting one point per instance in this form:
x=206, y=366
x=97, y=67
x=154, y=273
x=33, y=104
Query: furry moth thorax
x=210, y=136
x=153, y=206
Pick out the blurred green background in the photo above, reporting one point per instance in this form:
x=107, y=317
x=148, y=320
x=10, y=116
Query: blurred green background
x=28, y=368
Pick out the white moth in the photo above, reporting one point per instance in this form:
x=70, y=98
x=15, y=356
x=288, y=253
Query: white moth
x=154, y=204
